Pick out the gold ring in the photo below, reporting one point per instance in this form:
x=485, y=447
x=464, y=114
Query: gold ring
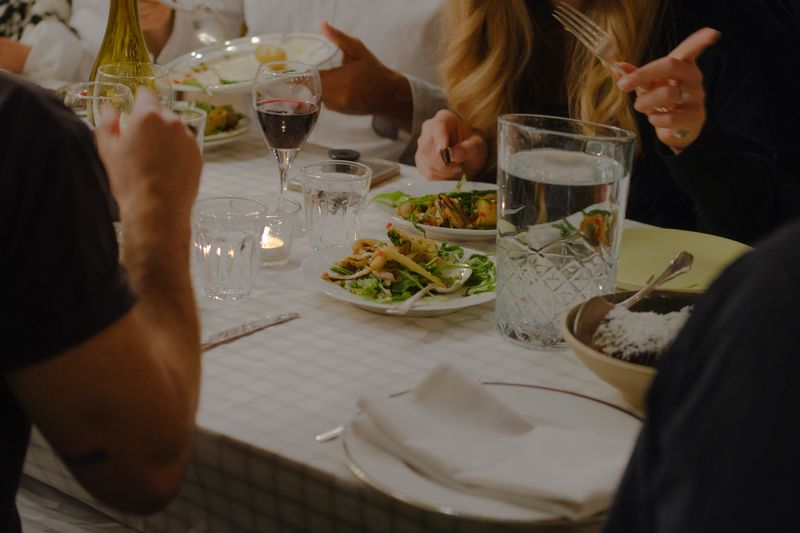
x=680, y=134
x=661, y=109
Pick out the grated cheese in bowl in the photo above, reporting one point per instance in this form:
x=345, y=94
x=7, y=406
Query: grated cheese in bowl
x=638, y=337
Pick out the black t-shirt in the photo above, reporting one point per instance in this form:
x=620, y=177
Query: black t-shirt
x=718, y=451
x=61, y=279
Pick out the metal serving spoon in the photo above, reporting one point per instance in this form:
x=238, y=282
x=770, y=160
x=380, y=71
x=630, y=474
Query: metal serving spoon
x=461, y=277
x=207, y=23
x=594, y=310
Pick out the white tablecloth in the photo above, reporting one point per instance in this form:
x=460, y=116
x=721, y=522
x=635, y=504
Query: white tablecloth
x=256, y=465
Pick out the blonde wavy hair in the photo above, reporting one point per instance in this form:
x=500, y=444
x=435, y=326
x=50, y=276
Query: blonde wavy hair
x=488, y=44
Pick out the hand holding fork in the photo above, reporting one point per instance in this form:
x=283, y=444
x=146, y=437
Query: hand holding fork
x=669, y=90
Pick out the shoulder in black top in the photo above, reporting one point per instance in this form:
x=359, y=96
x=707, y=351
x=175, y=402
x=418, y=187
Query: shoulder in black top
x=62, y=282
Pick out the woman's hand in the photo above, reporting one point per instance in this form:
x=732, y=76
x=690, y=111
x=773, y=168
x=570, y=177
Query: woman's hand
x=670, y=91
x=445, y=130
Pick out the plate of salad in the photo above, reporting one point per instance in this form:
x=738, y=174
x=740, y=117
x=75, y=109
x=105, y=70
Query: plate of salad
x=379, y=274
x=444, y=210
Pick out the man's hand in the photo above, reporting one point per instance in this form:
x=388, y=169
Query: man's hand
x=363, y=85
x=151, y=185
x=468, y=148
x=156, y=20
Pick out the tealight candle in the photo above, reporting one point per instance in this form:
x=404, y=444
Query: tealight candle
x=279, y=220
x=273, y=250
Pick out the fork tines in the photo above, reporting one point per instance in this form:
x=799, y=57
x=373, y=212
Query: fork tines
x=582, y=27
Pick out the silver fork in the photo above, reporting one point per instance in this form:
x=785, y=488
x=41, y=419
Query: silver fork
x=589, y=34
x=600, y=43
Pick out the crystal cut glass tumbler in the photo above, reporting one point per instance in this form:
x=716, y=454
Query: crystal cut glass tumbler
x=562, y=192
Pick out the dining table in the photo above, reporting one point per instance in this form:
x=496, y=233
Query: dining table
x=255, y=463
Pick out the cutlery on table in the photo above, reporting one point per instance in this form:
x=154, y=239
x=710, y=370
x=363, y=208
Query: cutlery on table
x=599, y=42
x=246, y=329
x=594, y=310
x=463, y=275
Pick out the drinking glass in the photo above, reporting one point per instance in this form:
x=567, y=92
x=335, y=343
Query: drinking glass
x=135, y=75
x=333, y=194
x=86, y=99
x=193, y=118
x=286, y=100
x=227, y=232
x=563, y=187
x=280, y=224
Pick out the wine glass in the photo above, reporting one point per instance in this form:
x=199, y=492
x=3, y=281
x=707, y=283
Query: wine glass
x=286, y=99
x=86, y=99
x=135, y=75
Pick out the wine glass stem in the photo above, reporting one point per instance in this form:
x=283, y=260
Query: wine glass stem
x=284, y=159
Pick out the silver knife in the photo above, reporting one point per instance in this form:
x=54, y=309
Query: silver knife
x=246, y=329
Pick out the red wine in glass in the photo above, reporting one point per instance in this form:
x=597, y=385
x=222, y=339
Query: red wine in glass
x=286, y=122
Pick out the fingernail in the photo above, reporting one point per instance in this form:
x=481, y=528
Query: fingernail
x=625, y=84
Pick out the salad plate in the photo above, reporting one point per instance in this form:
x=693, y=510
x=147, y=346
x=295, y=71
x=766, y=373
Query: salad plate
x=645, y=251
x=225, y=137
x=434, y=305
x=417, y=189
x=231, y=66
x=388, y=474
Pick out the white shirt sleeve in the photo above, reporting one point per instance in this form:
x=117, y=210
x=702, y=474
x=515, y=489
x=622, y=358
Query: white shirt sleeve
x=56, y=52
x=426, y=99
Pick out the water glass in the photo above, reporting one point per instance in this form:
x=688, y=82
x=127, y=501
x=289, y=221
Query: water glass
x=563, y=187
x=193, y=118
x=280, y=224
x=86, y=100
x=227, y=232
x=333, y=194
x=134, y=75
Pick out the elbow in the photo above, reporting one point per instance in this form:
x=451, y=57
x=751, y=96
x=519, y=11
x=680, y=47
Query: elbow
x=156, y=488
x=136, y=487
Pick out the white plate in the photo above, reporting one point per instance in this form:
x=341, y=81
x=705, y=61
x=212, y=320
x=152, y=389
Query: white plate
x=393, y=477
x=441, y=304
x=236, y=61
x=417, y=188
x=225, y=137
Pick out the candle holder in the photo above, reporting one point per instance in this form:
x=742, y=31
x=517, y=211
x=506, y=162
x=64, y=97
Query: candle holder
x=280, y=223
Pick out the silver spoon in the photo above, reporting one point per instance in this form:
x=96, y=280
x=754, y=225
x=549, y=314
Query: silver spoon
x=461, y=277
x=207, y=23
x=595, y=309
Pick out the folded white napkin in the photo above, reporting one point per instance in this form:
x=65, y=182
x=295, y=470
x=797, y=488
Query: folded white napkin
x=459, y=434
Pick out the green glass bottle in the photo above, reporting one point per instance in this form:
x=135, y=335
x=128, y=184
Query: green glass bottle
x=123, y=41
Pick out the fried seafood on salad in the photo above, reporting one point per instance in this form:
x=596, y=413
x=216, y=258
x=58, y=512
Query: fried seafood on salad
x=395, y=270
x=455, y=209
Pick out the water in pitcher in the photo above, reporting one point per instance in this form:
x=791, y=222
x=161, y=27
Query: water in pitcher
x=558, y=238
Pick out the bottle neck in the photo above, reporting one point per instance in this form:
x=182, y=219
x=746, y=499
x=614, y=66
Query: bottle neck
x=123, y=41
x=125, y=14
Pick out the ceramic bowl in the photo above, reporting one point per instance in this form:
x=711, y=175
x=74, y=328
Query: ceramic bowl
x=631, y=379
